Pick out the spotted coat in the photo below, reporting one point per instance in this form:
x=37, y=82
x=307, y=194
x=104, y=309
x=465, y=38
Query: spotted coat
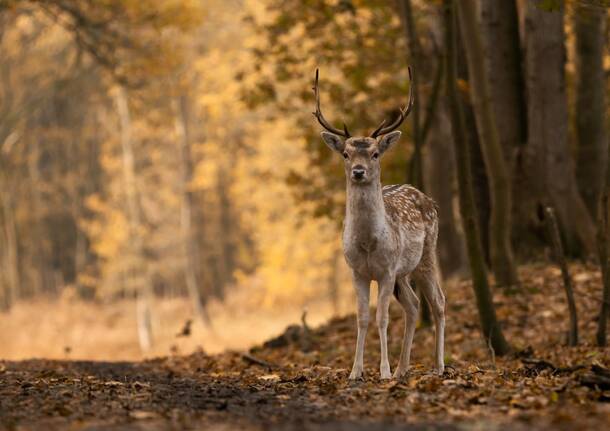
x=408, y=209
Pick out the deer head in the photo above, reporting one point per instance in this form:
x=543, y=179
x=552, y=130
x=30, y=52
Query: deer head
x=361, y=154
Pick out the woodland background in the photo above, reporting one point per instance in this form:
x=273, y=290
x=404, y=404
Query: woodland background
x=159, y=161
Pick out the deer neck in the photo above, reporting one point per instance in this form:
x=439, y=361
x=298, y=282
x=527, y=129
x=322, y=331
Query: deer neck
x=365, y=211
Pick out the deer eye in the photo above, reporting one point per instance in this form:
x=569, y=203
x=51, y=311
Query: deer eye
x=345, y=155
x=375, y=156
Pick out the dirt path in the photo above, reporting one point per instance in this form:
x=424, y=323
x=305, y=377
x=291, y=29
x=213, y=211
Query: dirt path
x=177, y=393
x=170, y=394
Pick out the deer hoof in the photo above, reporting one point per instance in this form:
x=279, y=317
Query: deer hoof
x=400, y=373
x=356, y=374
x=385, y=373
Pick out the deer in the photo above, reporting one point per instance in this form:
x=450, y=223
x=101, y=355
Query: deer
x=389, y=236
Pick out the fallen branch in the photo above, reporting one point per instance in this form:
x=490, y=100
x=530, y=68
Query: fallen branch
x=598, y=378
x=538, y=364
x=256, y=361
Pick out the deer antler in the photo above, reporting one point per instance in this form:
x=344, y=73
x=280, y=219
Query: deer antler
x=320, y=117
x=404, y=113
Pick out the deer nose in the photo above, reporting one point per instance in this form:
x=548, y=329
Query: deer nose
x=358, y=172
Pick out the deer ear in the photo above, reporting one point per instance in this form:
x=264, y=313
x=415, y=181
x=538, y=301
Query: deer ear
x=333, y=141
x=388, y=140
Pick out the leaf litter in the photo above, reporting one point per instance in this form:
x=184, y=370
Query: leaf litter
x=282, y=385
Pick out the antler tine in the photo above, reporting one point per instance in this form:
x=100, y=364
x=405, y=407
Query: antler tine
x=404, y=113
x=320, y=117
x=374, y=134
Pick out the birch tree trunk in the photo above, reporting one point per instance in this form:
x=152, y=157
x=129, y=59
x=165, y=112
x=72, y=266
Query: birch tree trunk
x=189, y=238
x=502, y=260
x=549, y=165
x=138, y=272
x=11, y=252
x=42, y=273
x=333, y=281
x=227, y=227
x=589, y=24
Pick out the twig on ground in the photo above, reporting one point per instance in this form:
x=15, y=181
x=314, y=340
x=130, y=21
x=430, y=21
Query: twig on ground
x=306, y=333
x=599, y=378
x=256, y=361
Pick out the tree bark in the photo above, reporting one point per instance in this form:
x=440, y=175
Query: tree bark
x=415, y=174
x=502, y=260
x=42, y=273
x=480, y=184
x=549, y=165
x=441, y=185
x=548, y=215
x=506, y=83
x=227, y=227
x=333, y=281
x=490, y=327
x=589, y=25
x=11, y=252
x=500, y=24
x=138, y=272
x=189, y=239
x=603, y=247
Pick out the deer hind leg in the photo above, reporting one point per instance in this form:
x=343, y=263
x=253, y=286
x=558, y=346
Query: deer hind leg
x=427, y=277
x=410, y=303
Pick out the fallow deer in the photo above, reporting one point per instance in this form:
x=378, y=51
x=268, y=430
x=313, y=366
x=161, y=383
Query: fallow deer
x=389, y=235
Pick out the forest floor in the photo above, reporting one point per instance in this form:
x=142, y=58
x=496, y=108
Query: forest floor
x=299, y=380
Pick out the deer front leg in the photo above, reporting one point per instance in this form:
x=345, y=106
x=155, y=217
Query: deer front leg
x=362, y=287
x=386, y=288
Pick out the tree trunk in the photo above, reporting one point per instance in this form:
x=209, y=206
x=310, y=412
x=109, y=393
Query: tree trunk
x=502, y=259
x=507, y=95
x=506, y=84
x=189, y=239
x=80, y=258
x=333, y=281
x=11, y=252
x=415, y=174
x=549, y=165
x=490, y=327
x=138, y=272
x=590, y=103
x=227, y=226
x=441, y=184
x=603, y=247
x=480, y=184
x=548, y=216
x=41, y=271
